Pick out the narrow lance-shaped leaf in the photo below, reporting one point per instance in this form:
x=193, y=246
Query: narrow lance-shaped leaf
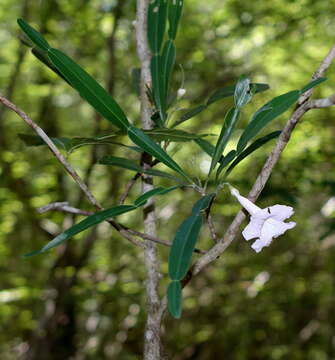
x=147, y=144
x=175, y=10
x=265, y=114
x=140, y=201
x=219, y=94
x=33, y=35
x=83, y=225
x=132, y=165
x=157, y=14
x=168, y=61
x=158, y=86
x=120, y=162
x=226, y=132
x=242, y=93
x=312, y=84
x=186, y=237
x=251, y=148
x=89, y=89
x=174, y=297
x=164, y=134
x=226, y=160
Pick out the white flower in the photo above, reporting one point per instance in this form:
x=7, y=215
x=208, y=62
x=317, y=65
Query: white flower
x=265, y=224
x=181, y=92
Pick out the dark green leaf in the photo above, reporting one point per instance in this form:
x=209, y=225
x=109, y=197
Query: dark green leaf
x=202, y=204
x=33, y=35
x=265, y=114
x=175, y=10
x=206, y=146
x=242, y=93
x=230, y=90
x=183, y=245
x=157, y=14
x=174, y=297
x=83, y=225
x=35, y=140
x=120, y=162
x=164, y=134
x=168, y=61
x=147, y=144
x=190, y=114
x=312, y=84
x=251, y=148
x=89, y=89
x=158, y=85
x=226, y=132
x=140, y=201
x=226, y=160
x=132, y=165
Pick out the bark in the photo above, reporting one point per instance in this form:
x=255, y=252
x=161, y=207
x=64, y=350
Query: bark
x=152, y=342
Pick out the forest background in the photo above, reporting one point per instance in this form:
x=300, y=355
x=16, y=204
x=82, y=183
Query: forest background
x=88, y=302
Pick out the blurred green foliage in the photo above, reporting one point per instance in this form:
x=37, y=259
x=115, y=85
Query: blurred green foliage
x=79, y=304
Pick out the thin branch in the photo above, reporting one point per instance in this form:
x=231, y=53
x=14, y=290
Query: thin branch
x=64, y=207
x=211, y=227
x=129, y=186
x=265, y=173
x=321, y=103
x=53, y=148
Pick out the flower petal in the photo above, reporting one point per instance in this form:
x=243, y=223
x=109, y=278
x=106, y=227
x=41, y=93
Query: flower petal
x=271, y=229
x=281, y=212
x=247, y=204
x=253, y=229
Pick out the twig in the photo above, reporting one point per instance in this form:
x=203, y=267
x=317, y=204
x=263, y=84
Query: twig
x=265, y=173
x=129, y=186
x=54, y=149
x=211, y=227
x=321, y=103
x=63, y=206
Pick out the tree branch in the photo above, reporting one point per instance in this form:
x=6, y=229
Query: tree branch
x=266, y=171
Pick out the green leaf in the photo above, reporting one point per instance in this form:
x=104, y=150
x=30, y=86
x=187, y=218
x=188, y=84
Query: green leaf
x=148, y=145
x=120, y=162
x=140, y=201
x=72, y=144
x=174, y=297
x=164, y=134
x=226, y=160
x=83, y=225
x=202, y=204
x=89, y=89
x=230, y=90
x=174, y=11
x=190, y=114
x=33, y=35
x=132, y=165
x=168, y=61
x=219, y=94
x=242, y=93
x=226, y=132
x=158, y=85
x=265, y=114
x=312, y=84
x=183, y=246
x=251, y=148
x=157, y=14
x=186, y=237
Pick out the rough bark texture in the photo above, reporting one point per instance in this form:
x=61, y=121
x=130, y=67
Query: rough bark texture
x=152, y=343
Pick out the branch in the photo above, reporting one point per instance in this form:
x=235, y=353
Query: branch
x=64, y=207
x=321, y=103
x=53, y=148
x=265, y=173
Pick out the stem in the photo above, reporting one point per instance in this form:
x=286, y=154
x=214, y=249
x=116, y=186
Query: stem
x=152, y=343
